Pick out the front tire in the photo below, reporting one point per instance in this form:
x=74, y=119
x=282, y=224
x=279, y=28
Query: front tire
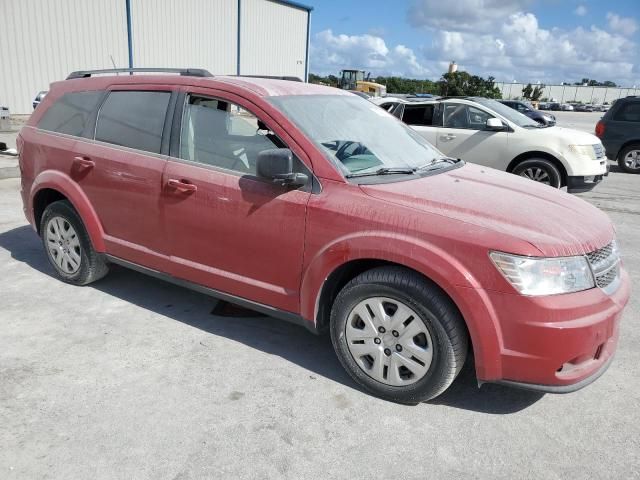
x=398, y=335
x=540, y=170
x=68, y=246
x=629, y=159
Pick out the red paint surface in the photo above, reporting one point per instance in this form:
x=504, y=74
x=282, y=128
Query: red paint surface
x=278, y=247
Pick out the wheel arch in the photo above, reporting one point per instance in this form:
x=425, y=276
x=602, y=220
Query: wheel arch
x=51, y=186
x=322, y=284
x=540, y=154
x=626, y=144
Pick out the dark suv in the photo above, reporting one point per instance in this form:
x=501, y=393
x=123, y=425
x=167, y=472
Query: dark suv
x=526, y=109
x=619, y=131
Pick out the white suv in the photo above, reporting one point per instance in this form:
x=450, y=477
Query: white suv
x=484, y=131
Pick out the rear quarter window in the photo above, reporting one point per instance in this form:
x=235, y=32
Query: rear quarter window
x=133, y=119
x=71, y=113
x=629, y=112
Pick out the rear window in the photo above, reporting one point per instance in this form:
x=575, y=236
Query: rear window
x=133, y=119
x=71, y=113
x=629, y=112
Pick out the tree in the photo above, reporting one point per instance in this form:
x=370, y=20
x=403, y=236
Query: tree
x=461, y=84
x=527, y=91
x=537, y=93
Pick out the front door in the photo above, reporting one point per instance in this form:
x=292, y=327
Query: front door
x=228, y=229
x=463, y=135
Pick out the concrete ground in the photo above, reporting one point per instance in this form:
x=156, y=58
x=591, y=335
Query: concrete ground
x=135, y=378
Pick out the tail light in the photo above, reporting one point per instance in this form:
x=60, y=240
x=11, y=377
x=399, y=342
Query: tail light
x=599, y=129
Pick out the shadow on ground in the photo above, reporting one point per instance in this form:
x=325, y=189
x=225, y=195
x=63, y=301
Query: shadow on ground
x=266, y=334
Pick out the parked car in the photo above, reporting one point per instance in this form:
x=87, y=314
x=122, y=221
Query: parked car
x=555, y=107
x=619, y=131
x=543, y=106
x=306, y=203
x=387, y=103
x=582, y=107
x=486, y=132
x=39, y=97
x=529, y=111
x=566, y=107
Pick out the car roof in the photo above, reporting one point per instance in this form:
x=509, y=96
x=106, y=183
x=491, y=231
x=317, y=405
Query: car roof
x=263, y=87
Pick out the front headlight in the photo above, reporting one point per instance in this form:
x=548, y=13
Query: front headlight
x=584, y=150
x=544, y=276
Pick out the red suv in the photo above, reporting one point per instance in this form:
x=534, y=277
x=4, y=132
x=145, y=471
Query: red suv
x=313, y=205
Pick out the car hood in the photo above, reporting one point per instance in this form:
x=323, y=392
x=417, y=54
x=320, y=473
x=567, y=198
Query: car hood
x=568, y=136
x=554, y=222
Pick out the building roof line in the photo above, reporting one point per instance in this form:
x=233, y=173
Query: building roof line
x=291, y=3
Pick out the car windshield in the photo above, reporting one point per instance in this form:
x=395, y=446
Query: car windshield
x=507, y=112
x=357, y=135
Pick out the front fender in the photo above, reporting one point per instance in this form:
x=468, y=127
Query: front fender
x=64, y=184
x=430, y=260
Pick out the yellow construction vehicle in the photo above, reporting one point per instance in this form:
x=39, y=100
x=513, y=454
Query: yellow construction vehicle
x=355, y=80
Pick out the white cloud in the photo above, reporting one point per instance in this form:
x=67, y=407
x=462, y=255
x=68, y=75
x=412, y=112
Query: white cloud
x=580, y=10
x=331, y=53
x=521, y=49
x=462, y=15
x=618, y=24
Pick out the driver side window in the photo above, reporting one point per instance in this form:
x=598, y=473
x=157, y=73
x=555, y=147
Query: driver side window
x=464, y=116
x=219, y=133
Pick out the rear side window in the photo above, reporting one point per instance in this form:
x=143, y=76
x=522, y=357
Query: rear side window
x=71, y=113
x=418, y=115
x=133, y=119
x=629, y=112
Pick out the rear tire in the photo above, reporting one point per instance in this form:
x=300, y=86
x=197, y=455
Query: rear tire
x=412, y=347
x=539, y=170
x=629, y=159
x=68, y=246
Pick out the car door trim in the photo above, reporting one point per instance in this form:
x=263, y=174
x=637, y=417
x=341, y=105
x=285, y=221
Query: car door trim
x=227, y=297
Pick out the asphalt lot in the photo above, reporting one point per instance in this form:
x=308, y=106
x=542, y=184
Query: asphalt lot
x=135, y=378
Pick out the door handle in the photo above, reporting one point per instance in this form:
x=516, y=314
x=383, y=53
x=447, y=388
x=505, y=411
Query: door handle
x=447, y=137
x=181, y=185
x=85, y=162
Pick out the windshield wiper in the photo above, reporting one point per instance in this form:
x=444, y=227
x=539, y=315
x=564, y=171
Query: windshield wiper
x=384, y=171
x=435, y=161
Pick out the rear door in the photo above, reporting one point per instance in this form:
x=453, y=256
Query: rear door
x=228, y=229
x=420, y=117
x=121, y=171
x=463, y=134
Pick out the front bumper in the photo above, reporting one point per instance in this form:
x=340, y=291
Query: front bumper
x=558, y=343
x=581, y=184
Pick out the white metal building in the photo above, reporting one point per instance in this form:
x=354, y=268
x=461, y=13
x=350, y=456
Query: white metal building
x=42, y=41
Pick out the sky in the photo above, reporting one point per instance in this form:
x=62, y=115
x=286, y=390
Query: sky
x=547, y=41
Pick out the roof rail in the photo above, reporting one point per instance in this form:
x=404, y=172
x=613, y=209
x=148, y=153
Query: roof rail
x=273, y=77
x=187, y=72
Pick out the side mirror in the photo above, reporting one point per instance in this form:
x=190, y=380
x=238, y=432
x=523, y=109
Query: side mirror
x=276, y=164
x=495, y=125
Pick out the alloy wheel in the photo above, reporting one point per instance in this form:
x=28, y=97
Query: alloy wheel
x=389, y=341
x=632, y=159
x=537, y=174
x=63, y=245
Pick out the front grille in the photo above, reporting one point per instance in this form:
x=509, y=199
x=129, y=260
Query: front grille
x=598, y=149
x=605, y=264
x=606, y=279
x=597, y=256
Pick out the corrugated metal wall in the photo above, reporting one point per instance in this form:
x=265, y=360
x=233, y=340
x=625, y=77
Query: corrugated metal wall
x=273, y=39
x=570, y=93
x=41, y=41
x=193, y=33
x=44, y=40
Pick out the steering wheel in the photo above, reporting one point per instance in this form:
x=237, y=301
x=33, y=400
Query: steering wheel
x=342, y=153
